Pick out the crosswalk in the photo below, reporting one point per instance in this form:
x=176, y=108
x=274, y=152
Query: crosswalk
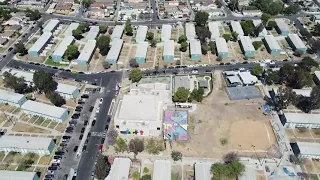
x=98, y=134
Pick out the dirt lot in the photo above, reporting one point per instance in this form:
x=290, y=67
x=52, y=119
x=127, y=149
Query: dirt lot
x=241, y=123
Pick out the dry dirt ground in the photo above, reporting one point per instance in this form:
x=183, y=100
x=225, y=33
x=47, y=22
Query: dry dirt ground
x=242, y=123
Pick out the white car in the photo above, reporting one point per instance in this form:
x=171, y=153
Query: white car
x=194, y=71
x=98, y=109
x=86, y=92
x=56, y=161
x=101, y=100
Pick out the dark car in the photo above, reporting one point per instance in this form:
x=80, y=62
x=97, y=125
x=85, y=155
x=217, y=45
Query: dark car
x=4, y=56
x=49, y=176
x=81, y=102
x=75, y=116
x=79, y=107
x=69, y=128
x=60, y=153
x=69, y=131
x=82, y=130
x=78, y=110
x=106, y=127
x=57, y=157
x=221, y=64
x=75, y=149
x=102, y=140
x=85, y=96
x=54, y=67
x=66, y=137
x=85, y=123
x=84, y=148
x=245, y=62
x=93, y=122
x=81, y=72
x=89, y=134
x=91, y=109
x=37, y=64
x=52, y=168
x=73, y=121
x=10, y=49
x=63, y=144
x=68, y=70
x=81, y=136
x=55, y=164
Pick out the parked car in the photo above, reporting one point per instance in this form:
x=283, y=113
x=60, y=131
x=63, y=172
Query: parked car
x=66, y=137
x=83, y=129
x=81, y=136
x=52, y=168
x=85, y=122
x=49, y=176
x=75, y=116
x=101, y=100
x=75, y=149
x=60, y=153
x=57, y=157
x=91, y=108
x=85, y=96
x=93, y=122
x=55, y=164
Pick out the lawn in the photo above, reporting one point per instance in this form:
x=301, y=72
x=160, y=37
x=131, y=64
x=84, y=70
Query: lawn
x=45, y=123
x=50, y=62
x=13, y=157
x=45, y=160
x=17, y=111
x=40, y=121
x=2, y=154
x=21, y=127
x=11, y=108
x=33, y=119
x=32, y=157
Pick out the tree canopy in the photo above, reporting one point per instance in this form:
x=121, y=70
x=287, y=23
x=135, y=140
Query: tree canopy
x=269, y=6
x=18, y=84
x=150, y=35
x=201, y=18
x=307, y=63
x=87, y=3
x=196, y=94
x=176, y=155
x=71, y=52
x=20, y=48
x=55, y=98
x=227, y=37
x=103, y=43
x=182, y=38
x=103, y=29
x=222, y=171
x=257, y=70
x=33, y=15
x=181, y=95
x=102, y=167
x=128, y=28
x=292, y=9
x=43, y=81
x=257, y=44
x=154, y=145
x=135, y=75
x=265, y=18
x=248, y=27
x=203, y=33
x=120, y=145
x=136, y=146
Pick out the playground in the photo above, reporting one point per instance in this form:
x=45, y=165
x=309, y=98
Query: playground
x=224, y=126
x=176, y=125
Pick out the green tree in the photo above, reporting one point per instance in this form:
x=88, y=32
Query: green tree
x=218, y=3
x=213, y=47
x=43, y=81
x=112, y=136
x=135, y=75
x=103, y=43
x=87, y=3
x=146, y=177
x=55, y=98
x=234, y=36
x=272, y=77
x=103, y=29
x=301, y=79
x=257, y=44
x=71, y=52
x=181, y=95
x=33, y=15
x=128, y=28
x=248, y=27
x=197, y=94
x=203, y=33
x=230, y=157
x=154, y=146
x=307, y=63
x=272, y=24
x=120, y=145
x=136, y=146
x=269, y=6
x=18, y=84
x=233, y=5
x=201, y=18
x=204, y=49
x=285, y=97
x=257, y=70
x=184, y=46
x=286, y=73
x=20, y=48
x=150, y=35
x=265, y=18
x=227, y=171
x=227, y=37
x=77, y=34
x=182, y=39
x=292, y=9
x=176, y=155
x=101, y=167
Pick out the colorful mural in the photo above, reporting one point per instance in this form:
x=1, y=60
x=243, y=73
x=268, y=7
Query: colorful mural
x=176, y=125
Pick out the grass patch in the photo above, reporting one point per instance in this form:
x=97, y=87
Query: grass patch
x=223, y=141
x=20, y=127
x=45, y=160
x=17, y=111
x=45, y=123
x=10, y=109
x=50, y=62
x=33, y=119
x=13, y=157
x=2, y=154
x=40, y=121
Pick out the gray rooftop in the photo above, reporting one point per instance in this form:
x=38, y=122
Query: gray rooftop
x=25, y=142
x=295, y=39
x=181, y=81
x=272, y=42
x=309, y=148
x=166, y=32
x=10, y=96
x=214, y=29
x=140, y=108
x=45, y=109
x=302, y=118
x=246, y=43
x=87, y=51
x=71, y=27
x=190, y=31
x=195, y=47
x=256, y=23
x=120, y=169
x=221, y=45
x=202, y=171
x=62, y=47
x=3, y=40
x=168, y=49
x=283, y=26
x=161, y=170
x=17, y=175
x=117, y=32
x=142, y=32
x=142, y=48
x=43, y=39
x=65, y=88
x=236, y=26
x=115, y=49
x=93, y=33
x=51, y=25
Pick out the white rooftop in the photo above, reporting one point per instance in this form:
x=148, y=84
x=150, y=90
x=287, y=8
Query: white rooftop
x=43, y=39
x=234, y=79
x=295, y=39
x=202, y=171
x=25, y=142
x=28, y=77
x=190, y=31
x=309, y=148
x=142, y=32
x=221, y=45
x=247, y=77
x=17, y=175
x=161, y=170
x=302, y=118
x=272, y=42
x=214, y=29
x=195, y=47
x=42, y=108
x=87, y=51
x=71, y=27
x=317, y=74
x=93, y=33
x=256, y=23
x=51, y=25
x=142, y=48
x=303, y=92
x=117, y=32
x=10, y=96
x=166, y=32
x=246, y=43
x=168, y=48
x=62, y=47
x=65, y=88
x=236, y=26
x=115, y=49
x=283, y=26
x=120, y=169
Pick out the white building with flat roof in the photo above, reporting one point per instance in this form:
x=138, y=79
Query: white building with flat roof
x=257, y=23
x=117, y=32
x=39, y=45
x=71, y=27
x=33, y=108
x=166, y=32
x=67, y=91
x=296, y=120
x=120, y=169
x=141, y=33
x=51, y=25
x=114, y=52
x=61, y=49
x=42, y=146
x=247, y=78
x=86, y=53
x=307, y=150
x=236, y=27
x=93, y=33
x=12, y=98
x=202, y=171
x=190, y=31
x=18, y=175
x=214, y=29
x=161, y=170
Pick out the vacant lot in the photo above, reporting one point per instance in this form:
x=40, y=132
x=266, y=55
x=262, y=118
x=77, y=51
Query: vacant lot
x=226, y=126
